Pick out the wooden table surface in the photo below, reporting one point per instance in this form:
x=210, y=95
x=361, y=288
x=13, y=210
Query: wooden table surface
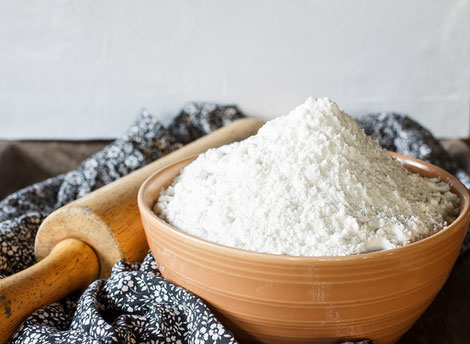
x=447, y=320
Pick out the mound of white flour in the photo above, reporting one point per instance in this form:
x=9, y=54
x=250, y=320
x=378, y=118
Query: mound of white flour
x=308, y=184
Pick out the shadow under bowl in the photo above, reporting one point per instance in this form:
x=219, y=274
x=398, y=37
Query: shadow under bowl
x=288, y=299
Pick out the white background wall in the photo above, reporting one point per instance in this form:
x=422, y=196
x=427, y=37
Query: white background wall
x=82, y=69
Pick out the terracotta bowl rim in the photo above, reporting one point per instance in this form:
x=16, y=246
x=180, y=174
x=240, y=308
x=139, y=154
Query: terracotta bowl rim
x=456, y=186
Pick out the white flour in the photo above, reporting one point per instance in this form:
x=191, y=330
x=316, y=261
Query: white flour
x=308, y=184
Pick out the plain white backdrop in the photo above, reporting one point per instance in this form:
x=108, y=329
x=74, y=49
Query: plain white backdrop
x=83, y=69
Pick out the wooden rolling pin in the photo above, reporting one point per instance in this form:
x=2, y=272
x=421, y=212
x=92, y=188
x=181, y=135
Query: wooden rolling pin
x=81, y=241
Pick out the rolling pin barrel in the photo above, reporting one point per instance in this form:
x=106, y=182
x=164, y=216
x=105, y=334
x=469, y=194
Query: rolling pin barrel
x=83, y=240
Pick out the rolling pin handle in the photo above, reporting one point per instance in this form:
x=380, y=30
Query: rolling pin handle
x=108, y=219
x=71, y=266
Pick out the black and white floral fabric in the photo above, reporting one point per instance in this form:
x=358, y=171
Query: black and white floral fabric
x=136, y=305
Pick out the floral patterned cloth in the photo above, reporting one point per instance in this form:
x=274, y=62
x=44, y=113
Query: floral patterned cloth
x=136, y=305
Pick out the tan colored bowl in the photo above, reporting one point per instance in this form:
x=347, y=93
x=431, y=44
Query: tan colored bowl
x=285, y=299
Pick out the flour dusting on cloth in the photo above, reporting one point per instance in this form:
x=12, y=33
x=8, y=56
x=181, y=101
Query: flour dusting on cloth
x=311, y=183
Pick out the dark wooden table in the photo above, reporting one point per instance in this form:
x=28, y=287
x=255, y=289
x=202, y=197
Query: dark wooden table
x=447, y=320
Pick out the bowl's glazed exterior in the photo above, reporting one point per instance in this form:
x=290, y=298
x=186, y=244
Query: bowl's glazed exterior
x=285, y=299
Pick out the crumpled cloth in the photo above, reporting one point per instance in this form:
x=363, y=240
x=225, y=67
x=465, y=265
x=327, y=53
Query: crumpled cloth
x=136, y=305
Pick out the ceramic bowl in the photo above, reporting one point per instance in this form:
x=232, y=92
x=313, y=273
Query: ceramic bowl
x=286, y=299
